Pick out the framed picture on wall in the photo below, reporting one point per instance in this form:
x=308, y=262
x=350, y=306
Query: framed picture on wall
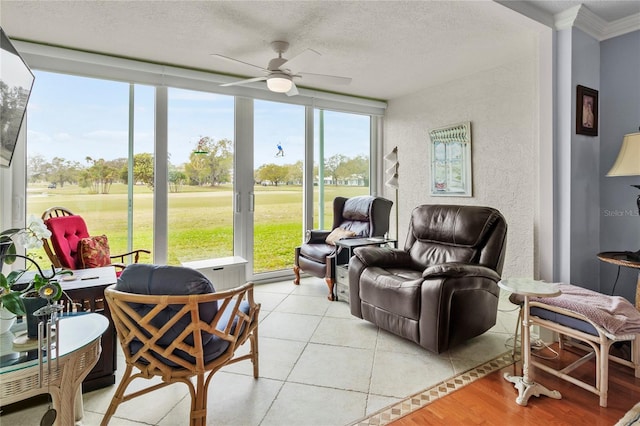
x=451, y=160
x=586, y=111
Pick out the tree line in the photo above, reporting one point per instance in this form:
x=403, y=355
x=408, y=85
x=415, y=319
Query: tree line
x=338, y=170
x=210, y=164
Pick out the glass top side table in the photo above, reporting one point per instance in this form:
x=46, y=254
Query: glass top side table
x=527, y=288
x=79, y=350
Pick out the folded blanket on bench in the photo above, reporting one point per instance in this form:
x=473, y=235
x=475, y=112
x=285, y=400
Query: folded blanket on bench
x=613, y=313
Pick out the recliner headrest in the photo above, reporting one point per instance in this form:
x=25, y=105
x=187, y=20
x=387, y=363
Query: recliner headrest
x=358, y=208
x=466, y=226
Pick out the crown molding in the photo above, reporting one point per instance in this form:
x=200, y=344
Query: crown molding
x=623, y=26
x=566, y=19
x=578, y=16
x=584, y=19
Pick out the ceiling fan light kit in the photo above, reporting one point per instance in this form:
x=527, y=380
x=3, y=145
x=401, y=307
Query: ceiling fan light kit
x=280, y=71
x=279, y=83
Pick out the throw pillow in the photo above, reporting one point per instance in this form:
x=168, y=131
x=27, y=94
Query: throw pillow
x=338, y=234
x=93, y=252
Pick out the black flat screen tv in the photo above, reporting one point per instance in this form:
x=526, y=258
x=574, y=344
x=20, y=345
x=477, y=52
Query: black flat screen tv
x=16, y=81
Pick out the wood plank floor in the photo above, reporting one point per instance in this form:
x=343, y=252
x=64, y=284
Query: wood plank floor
x=491, y=400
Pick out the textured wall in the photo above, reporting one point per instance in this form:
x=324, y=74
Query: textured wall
x=501, y=104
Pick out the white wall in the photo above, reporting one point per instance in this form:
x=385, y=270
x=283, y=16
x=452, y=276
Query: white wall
x=502, y=105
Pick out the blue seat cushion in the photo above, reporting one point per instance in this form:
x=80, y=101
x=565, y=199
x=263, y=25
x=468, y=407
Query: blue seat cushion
x=168, y=280
x=565, y=320
x=212, y=350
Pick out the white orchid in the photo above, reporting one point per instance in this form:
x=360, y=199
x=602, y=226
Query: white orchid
x=31, y=236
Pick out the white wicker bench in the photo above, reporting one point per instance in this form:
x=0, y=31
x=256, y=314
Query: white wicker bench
x=576, y=330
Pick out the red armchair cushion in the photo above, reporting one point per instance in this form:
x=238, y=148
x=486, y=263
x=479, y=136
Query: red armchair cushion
x=66, y=233
x=93, y=252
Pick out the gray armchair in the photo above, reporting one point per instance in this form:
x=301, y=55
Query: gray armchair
x=442, y=288
x=363, y=216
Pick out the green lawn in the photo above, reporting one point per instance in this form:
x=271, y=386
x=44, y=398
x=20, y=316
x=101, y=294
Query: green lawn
x=200, y=219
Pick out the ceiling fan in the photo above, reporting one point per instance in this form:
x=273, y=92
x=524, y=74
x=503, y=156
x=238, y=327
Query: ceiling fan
x=281, y=72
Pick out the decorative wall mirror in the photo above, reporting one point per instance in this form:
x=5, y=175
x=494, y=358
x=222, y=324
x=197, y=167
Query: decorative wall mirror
x=451, y=160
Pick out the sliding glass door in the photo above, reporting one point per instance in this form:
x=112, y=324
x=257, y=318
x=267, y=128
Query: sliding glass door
x=278, y=149
x=92, y=146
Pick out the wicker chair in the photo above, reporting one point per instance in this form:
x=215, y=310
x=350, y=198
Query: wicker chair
x=66, y=230
x=206, y=339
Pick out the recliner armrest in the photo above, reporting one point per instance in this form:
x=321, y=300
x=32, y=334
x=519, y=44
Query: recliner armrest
x=460, y=270
x=316, y=236
x=383, y=257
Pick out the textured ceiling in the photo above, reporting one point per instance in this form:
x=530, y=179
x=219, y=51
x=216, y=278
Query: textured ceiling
x=389, y=48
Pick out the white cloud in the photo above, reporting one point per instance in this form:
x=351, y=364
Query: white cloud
x=62, y=137
x=35, y=137
x=106, y=136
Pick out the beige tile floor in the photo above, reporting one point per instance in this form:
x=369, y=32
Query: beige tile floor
x=318, y=366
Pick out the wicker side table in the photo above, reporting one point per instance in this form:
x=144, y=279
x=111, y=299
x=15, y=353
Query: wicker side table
x=622, y=258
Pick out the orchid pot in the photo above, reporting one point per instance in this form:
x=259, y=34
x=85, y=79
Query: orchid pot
x=7, y=319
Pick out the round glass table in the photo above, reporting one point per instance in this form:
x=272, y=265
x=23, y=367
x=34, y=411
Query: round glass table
x=62, y=375
x=528, y=287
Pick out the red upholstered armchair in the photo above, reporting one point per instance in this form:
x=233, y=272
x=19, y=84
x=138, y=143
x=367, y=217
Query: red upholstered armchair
x=70, y=245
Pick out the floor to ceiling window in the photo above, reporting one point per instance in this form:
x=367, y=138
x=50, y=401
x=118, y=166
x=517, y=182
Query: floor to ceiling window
x=236, y=167
x=201, y=127
x=78, y=154
x=341, y=160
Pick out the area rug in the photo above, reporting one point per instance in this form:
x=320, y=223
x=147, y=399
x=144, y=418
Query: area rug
x=631, y=418
x=427, y=396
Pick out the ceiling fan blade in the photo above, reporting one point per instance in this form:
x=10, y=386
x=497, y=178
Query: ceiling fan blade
x=330, y=79
x=293, y=91
x=226, y=58
x=300, y=61
x=250, y=80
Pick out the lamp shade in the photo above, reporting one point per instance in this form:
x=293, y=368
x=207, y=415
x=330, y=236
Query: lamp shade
x=393, y=169
x=393, y=181
x=628, y=161
x=280, y=83
x=392, y=156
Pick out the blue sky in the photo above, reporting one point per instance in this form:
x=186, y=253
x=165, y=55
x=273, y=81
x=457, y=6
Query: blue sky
x=75, y=117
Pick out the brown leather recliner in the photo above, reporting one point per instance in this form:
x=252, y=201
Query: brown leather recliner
x=366, y=216
x=442, y=288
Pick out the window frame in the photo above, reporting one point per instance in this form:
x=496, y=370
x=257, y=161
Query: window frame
x=84, y=64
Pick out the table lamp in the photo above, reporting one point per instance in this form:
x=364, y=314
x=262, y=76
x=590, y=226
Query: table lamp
x=628, y=164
